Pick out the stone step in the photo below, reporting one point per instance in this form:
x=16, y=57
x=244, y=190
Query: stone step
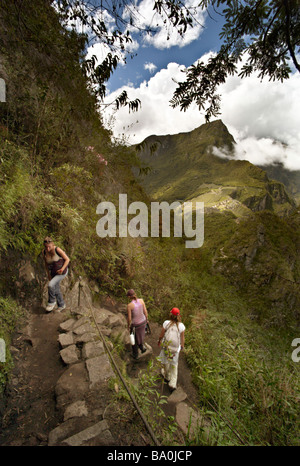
x=98, y=433
x=71, y=433
x=191, y=421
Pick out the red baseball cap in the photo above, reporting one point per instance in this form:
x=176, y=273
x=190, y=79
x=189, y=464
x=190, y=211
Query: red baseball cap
x=175, y=311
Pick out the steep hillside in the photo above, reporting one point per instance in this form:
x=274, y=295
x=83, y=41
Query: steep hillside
x=184, y=167
x=247, y=272
x=290, y=179
x=57, y=162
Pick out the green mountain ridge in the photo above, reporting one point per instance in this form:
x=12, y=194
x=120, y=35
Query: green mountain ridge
x=184, y=167
x=290, y=179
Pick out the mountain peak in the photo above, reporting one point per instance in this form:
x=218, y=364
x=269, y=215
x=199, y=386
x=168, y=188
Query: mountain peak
x=214, y=133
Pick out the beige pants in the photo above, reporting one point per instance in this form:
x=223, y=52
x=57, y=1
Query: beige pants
x=170, y=373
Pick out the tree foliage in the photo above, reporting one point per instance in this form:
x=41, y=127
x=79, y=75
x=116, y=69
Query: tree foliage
x=111, y=22
x=95, y=20
x=264, y=33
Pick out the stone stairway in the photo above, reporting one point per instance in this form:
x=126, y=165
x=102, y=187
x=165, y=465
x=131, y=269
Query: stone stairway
x=80, y=391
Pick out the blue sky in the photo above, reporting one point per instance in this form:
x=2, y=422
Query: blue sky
x=263, y=117
x=134, y=71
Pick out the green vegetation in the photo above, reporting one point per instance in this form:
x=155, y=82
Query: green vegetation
x=265, y=35
x=10, y=313
x=238, y=294
x=238, y=346
x=291, y=180
x=53, y=153
x=245, y=373
x=147, y=392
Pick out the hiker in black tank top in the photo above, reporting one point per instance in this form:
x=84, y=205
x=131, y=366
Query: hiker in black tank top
x=56, y=263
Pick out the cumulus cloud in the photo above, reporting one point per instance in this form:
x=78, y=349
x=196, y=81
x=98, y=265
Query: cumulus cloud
x=150, y=67
x=155, y=30
x=163, y=35
x=263, y=117
x=263, y=151
x=100, y=50
x=155, y=115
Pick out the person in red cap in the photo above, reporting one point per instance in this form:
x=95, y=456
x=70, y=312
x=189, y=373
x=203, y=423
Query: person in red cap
x=172, y=340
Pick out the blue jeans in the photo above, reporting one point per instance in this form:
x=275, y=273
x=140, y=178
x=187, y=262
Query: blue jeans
x=54, y=293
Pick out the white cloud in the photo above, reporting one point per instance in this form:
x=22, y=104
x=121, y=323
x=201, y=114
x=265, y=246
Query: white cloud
x=256, y=114
x=263, y=151
x=150, y=67
x=264, y=119
x=100, y=50
x=155, y=29
x=156, y=116
x=164, y=35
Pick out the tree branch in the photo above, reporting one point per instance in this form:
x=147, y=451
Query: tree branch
x=288, y=34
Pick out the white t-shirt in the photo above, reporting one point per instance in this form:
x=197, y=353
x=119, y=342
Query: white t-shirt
x=181, y=326
x=162, y=355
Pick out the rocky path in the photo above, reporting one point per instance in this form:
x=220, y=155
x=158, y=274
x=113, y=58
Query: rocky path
x=30, y=411
x=59, y=393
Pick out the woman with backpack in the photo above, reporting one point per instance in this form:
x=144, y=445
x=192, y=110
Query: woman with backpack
x=56, y=263
x=172, y=339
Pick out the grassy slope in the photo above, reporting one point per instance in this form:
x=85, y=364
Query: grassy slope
x=50, y=182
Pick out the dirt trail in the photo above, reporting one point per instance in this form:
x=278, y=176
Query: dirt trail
x=30, y=413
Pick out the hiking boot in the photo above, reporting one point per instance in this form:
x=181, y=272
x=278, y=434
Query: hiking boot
x=143, y=349
x=61, y=308
x=50, y=307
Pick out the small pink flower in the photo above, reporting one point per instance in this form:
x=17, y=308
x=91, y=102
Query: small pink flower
x=101, y=159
